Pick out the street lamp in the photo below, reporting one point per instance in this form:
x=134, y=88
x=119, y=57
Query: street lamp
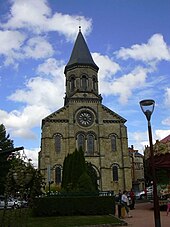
x=147, y=107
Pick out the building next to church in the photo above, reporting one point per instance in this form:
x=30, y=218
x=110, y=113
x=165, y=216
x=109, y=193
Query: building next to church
x=137, y=169
x=84, y=121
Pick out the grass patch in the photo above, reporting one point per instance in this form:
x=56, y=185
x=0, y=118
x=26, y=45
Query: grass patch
x=72, y=221
x=21, y=217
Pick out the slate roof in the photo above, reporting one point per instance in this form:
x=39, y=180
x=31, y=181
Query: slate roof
x=81, y=54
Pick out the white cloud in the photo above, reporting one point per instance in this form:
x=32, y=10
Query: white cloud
x=40, y=92
x=155, y=50
x=68, y=25
x=22, y=132
x=28, y=14
x=52, y=67
x=21, y=122
x=8, y=44
x=30, y=18
x=17, y=49
x=166, y=121
x=40, y=96
x=139, y=140
x=161, y=134
x=107, y=67
x=33, y=155
x=37, y=17
x=124, y=85
x=11, y=48
x=38, y=47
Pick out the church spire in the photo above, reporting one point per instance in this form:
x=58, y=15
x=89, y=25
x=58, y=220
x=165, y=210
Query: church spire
x=81, y=54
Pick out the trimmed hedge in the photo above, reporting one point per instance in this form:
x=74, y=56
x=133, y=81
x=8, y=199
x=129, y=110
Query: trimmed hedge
x=58, y=206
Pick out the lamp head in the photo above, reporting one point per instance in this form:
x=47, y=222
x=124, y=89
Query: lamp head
x=147, y=107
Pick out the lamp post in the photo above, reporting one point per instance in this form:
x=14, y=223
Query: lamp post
x=147, y=107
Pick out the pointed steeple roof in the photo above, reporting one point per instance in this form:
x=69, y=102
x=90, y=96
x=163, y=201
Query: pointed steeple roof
x=81, y=54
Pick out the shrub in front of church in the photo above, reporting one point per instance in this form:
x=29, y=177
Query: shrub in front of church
x=58, y=206
x=78, y=175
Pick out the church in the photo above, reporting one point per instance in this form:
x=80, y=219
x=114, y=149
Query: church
x=85, y=122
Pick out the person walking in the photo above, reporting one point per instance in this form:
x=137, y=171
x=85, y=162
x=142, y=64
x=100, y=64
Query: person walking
x=168, y=206
x=132, y=196
x=125, y=203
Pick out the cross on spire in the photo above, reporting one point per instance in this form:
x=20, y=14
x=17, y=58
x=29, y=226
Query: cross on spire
x=79, y=19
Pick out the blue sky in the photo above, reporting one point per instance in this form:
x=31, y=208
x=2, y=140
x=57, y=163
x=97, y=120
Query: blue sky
x=128, y=39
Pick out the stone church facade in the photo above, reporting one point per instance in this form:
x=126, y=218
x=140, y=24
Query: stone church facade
x=84, y=121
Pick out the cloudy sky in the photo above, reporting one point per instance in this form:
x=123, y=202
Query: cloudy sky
x=128, y=39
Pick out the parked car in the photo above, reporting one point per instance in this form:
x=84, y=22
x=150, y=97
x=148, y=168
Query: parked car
x=140, y=195
x=12, y=203
x=145, y=194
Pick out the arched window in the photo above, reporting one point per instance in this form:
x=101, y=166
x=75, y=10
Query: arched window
x=58, y=175
x=84, y=82
x=81, y=141
x=72, y=83
x=90, y=144
x=94, y=83
x=58, y=143
x=113, y=142
x=115, y=173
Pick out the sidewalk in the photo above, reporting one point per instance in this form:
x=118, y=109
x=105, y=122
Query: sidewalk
x=143, y=216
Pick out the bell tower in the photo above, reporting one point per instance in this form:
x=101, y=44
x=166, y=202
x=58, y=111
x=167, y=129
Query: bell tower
x=81, y=73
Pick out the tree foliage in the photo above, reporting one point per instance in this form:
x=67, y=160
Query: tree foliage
x=23, y=179
x=78, y=176
x=93, y=175
x=6, y=148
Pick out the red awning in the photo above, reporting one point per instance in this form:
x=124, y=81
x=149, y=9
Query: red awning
x=162, y=161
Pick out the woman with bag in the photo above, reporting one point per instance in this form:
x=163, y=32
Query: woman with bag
x=125, y=203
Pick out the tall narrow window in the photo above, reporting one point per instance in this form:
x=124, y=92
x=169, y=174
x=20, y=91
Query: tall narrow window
x=84, y=82
x=81, y=141
x=115, y=173
x=72, y=83
x=58, y=143
x=58, y=175
x=113, y=142
x=90, y=144
x=94, y=83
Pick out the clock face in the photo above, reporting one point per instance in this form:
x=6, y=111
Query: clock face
x=85, y=118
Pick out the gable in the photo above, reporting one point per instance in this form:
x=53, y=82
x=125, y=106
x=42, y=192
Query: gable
x=57, y=116
x=112, y=117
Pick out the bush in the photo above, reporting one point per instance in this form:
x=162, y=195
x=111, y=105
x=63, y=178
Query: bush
x=78, y=205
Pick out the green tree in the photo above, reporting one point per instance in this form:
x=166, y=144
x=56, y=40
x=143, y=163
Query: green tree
x=93, y=175
x=78, y=166
x=85, y=183
x=66, y=176
x=77, y=175
x=6, y=148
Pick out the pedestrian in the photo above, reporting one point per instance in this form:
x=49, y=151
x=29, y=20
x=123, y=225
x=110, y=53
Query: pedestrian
x=125, y=203
x=119, y=203
x=168, y=206
x=132, y=196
